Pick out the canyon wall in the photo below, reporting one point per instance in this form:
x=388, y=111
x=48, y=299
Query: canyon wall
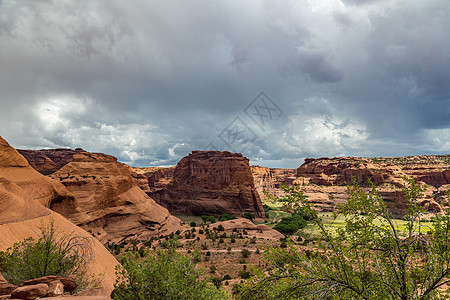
x=208, y=183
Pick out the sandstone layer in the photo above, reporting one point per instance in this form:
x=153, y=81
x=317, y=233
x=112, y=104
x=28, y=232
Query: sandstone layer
x=48, y=161
x=24, y=197
x=110, y=204
x=211, y=183
x=272, y=179
x=324, y=180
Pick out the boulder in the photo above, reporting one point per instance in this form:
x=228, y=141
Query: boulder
x=6, y=288
x=69, y=284
x=30, y=292
x=55, y=288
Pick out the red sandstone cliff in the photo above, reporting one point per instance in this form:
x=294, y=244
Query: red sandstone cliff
x=324, y=179
x=109, y=202
x=271, y=180
x=25, y=196
x=211, y=183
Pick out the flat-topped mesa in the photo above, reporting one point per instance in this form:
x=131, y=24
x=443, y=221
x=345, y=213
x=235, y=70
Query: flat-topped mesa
x=324, y=179
x=342, y=170
x=48, y=161
x=211, y=183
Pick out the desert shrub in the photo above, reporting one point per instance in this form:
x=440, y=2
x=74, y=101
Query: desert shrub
x=220, y=228
x=245, y=274
x=217, y=281
x=193, y=224
x=249, y=215
x=166, y=275
x=245, y=253
x=226, y=217
x=53, y=253
x=290, y=225
x=206, y=219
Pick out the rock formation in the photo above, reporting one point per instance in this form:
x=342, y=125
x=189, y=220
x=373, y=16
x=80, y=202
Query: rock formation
x=271, y=180
x=211, y=183
x=24, y=197
x=156, y=178
x=49, y=161
x=323, y=180
x=110, y=204
x=259, y=231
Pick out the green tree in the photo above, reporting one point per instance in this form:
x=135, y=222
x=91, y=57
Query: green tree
x=249, y=215
x=53, y=253
x=167, y=275
x=372, y=257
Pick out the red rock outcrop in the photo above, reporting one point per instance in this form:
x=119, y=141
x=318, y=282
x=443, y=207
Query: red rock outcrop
x=271, y=180
x=327, y=176
x=156, y=178
x=48, y=161
x=25, y=195
x=211, y=183
x=110, y=204
x=259, y=231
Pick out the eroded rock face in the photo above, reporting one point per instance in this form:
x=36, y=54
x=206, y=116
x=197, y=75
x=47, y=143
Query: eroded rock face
x=18, y=181
x=49, y=161
x=324, y=179
x=156, y=178
x=109, y=201
x=211, y=183
x=24, y=198
x=271, y=180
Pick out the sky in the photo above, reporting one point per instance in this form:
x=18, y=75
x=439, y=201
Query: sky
x=278, y=81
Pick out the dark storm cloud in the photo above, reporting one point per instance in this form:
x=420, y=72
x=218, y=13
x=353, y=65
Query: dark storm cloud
x=149, y=81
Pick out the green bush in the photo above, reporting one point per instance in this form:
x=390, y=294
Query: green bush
x=211, y=219
x=167, y=275
x=52, y=253
x=226, y=217
x=290, y=225
x=245, y=253
x=249, y=215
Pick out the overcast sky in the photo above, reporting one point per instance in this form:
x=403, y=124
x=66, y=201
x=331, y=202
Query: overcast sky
x=150, y=81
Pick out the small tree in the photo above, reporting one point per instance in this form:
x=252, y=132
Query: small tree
x=53, y=253
x=249, y=215
x=167, y=275
x=369, y=258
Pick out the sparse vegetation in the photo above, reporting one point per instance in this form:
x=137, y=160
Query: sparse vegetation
x=367, y=258
x=53, y=253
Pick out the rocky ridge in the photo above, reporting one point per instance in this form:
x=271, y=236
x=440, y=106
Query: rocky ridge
x=324, y=180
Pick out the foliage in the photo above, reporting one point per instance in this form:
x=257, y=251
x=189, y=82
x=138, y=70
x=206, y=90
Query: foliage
x=290, y=225
x=249, y=215
x=167, y=275
x=53, y=253
x=226, y=216
x=245, y=253
x=369, y=258
x=207, y=219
